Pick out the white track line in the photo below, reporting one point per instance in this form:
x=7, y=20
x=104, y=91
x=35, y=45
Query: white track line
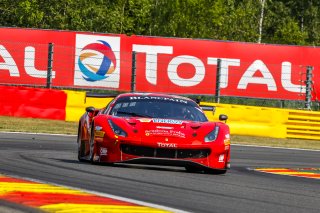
x=35, y=133
x=128, y=199
x=276, y=147
x=93, y=192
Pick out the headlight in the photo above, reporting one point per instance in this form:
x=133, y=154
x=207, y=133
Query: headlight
x=116, y=129
x=212, y=136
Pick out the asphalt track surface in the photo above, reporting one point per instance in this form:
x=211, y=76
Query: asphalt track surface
x=53, y=159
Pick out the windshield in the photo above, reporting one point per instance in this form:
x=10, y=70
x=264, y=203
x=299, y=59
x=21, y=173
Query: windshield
x=158, y=107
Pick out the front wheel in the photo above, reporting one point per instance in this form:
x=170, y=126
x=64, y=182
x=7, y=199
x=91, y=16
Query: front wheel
x=192, y=169
x=80, y=145
x=216, y=171
x=92, y=147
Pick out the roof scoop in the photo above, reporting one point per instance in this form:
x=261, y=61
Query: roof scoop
x=195, y=125
x=132, y=121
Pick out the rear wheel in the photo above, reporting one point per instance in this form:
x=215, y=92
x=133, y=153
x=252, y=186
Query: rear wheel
x=79, y=141
x=92, y=147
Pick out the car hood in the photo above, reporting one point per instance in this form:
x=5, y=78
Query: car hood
x=148, y=130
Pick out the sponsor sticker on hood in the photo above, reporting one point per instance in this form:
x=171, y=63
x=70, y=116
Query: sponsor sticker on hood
x=165, y=132
x=166, y=121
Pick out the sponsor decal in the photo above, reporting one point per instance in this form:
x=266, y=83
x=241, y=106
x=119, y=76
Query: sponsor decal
x=221, y=158
x=166, y=121
x=167, y=145
x=99, y=134
x=98, y=128
x=226, y=142
x=97, y=61
x=165, y=132
x=158, y=98
x=164, y=127
x=116, y=139
x=103, y=151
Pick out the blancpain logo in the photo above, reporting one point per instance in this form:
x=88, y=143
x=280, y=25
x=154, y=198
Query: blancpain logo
x=167, y=145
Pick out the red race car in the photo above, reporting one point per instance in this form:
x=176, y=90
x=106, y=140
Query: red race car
x=157, y=129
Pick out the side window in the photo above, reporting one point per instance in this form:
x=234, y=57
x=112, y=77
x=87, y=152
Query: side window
x=123, y=109
x=107, y=109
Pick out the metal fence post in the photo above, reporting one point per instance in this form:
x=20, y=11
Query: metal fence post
x=133, y=72
x=49, y=68
x=217, y=95
x=308, y=87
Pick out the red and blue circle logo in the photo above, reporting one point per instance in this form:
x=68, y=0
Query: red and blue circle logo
x=97, y=61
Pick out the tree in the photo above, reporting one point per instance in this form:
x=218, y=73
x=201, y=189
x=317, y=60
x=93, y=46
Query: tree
x=267, y=21
x=262, y=2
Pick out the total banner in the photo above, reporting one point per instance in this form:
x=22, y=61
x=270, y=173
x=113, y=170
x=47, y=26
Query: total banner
x=169, y=65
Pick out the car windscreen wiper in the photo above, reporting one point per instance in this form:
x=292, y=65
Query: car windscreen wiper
x=134, y=114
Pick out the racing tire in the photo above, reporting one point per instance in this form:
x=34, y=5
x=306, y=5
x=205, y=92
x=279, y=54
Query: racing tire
x=192, y=169
x=92, y=147
x=79, y=145
x=216, y=171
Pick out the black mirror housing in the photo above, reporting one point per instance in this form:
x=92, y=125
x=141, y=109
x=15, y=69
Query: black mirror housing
x=223, y=117
x=90, y=109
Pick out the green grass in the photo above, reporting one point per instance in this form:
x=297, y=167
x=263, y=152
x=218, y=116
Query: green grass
x=14, y=124
x=276, y=142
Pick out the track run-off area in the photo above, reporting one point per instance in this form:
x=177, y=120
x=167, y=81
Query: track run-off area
x=41, y=172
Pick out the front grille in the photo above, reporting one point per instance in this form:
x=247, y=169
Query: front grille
x=144, y=151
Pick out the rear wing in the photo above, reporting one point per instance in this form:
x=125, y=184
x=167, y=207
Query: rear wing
x=204, y=107
x=97, y=95
x=92, y=109
x=208, y=108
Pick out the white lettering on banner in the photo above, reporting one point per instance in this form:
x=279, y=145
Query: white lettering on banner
x=248, y=76
x=225, y=63
x=286, y=79
x=9, y=63
x=196, y=79
x=29, y=58
x=152, y=59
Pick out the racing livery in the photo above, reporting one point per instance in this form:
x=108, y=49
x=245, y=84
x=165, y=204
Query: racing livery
x=157, y=129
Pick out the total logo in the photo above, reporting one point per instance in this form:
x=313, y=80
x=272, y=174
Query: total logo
x=97, y=61
x=107, y=65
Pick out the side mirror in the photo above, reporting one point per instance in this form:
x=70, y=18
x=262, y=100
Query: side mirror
x=90, y=109
x=223, y=117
